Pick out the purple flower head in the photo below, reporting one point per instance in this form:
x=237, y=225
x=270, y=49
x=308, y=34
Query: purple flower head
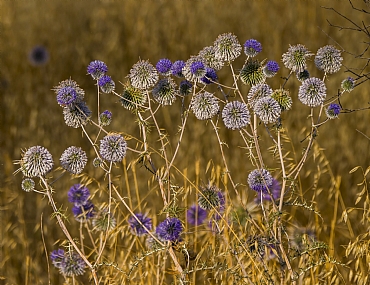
x=72, y=264
x=252, y=47
x=84, y=212
x=210, y=76
x=170, y=229
x=73, y=160
x=348, y=84
x=78, y=195
x=113, y=147
x=196, y=215
x=275, y=189
x=66, y=96
x=105, y=118
x=164, y=66
x=106, y=84
x=57, y=257
x=271, y=68
x=38, y=56
x=138, y=228
x=333, y=111
x=176, y=68
x=259, y=180
x=197, y=68
x=97, y=69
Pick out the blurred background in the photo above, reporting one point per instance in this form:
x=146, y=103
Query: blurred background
x=70, y=34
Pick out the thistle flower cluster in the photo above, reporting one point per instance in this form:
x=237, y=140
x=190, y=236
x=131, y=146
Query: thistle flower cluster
x=140, y=224
x=68, y=263
x=83, y=208
x=73, y=160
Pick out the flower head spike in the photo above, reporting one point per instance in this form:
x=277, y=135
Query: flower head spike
x=196, y=215
x=97, y=69
x=76, y=115
x=271, y=68
x=235, y=115
x=73, y=159
x=257, y=92
x=143, y=75
x=36, y=161
x=302, y=75
x=65, y=87
x=170, y=229
x=28, y=185
x=105, y=118
x=227, y=47
x=106, y=84
x=252, y=73
x=312, y=92
x=204, y=105
x=176, y=68
x=210, y=76
x=208, y=54
x=78, y=194
x=83, y=212
x=333, y=111
x=185, y=87
x=104, y=221
x=165, y=91
x=72, y=264
x=38, y=56
x=267, y=109
x=57, y=256
x=132, y=98
x=113, y=148
x=210, y=197
x=259, y=180
x=295, y=58
x=252, y=47
x=328, y=59
x=348, y=84
x=164, y=66
x=66, y=96
x=138, y=227
x=282, y=97
x=194, y=68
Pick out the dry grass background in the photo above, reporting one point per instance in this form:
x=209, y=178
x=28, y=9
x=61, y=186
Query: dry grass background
x=121, y=32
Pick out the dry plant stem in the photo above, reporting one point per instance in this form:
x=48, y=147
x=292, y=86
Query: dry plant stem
x=97, y=84
x=65, y=230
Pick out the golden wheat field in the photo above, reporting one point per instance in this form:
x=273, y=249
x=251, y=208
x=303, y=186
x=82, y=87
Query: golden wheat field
x=329, y=198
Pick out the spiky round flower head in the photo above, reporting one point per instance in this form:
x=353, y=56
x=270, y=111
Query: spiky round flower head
x=73, y=159
x=78, y=194
x=165, y=91
x=295, y=58
x=113, y=148
x=36, y=161
x=105, y=118
x=97, y=162
x=185, y=87
x=66, y=96
x=348, y=84
x=302, y=75
x=38, y=56
x=204, y=105
x=143, y=75
x=259, y=180
x=252, y=73
x=333, y=111
x=275, y=190
x=169, y=230
x=209, y=197
x=72, y=264
x=235, y=115
x=97, y=69
x=83, y=212
x=104, y=221
x=194, y=68
x=208, y=54
x=164, y=66
x=210, y=76
x=69, y=83
x=176, y=68
x=282, y=97
x=252, y=47
x=28, y=185
x=57, y=256
x=196, y=215
x=132, y=98
x=106, y=84
x=76, y=115
x=257, y=92
x=271, y=68
x=227, y=47
x=312, y=92
x=267, y=109
x=328, y=59
x=138, y=224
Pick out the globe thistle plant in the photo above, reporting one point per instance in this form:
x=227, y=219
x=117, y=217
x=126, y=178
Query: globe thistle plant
x=78, y=194
x=210, y=76
x=196, y=215
x=204, y=105
x=169, y=230
x=194, y=69
x=210, y=197
x=140, y=225
x=328, y=59
x=97, y=69
x=235, y=115
x=106, y=84
x=267, y=109
x=164, y=66
x=271, y=68
x=57, y=256
x=165, y=91
x=295, y=58
x=302, y=75
x=348, y=84
x=252, y=73
x=76, y=115
x=185, y=87
x=282, y=97
x=38, y=56
x=132, y=98
x=332, y=112
x=113, y=148
x=260, y=179
x=143, y=75
x=252, y=47
x=73, y=159
x=66, y=96
x=176, y=68
x=257, y=92
x=72, y=264
x=28, y=185
x=208, y=54
x=69, y=84
x=83, y=212
x=104, y=221
x=312, y=92
x=105, y=118
x=36, y=161
x=227, y=47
